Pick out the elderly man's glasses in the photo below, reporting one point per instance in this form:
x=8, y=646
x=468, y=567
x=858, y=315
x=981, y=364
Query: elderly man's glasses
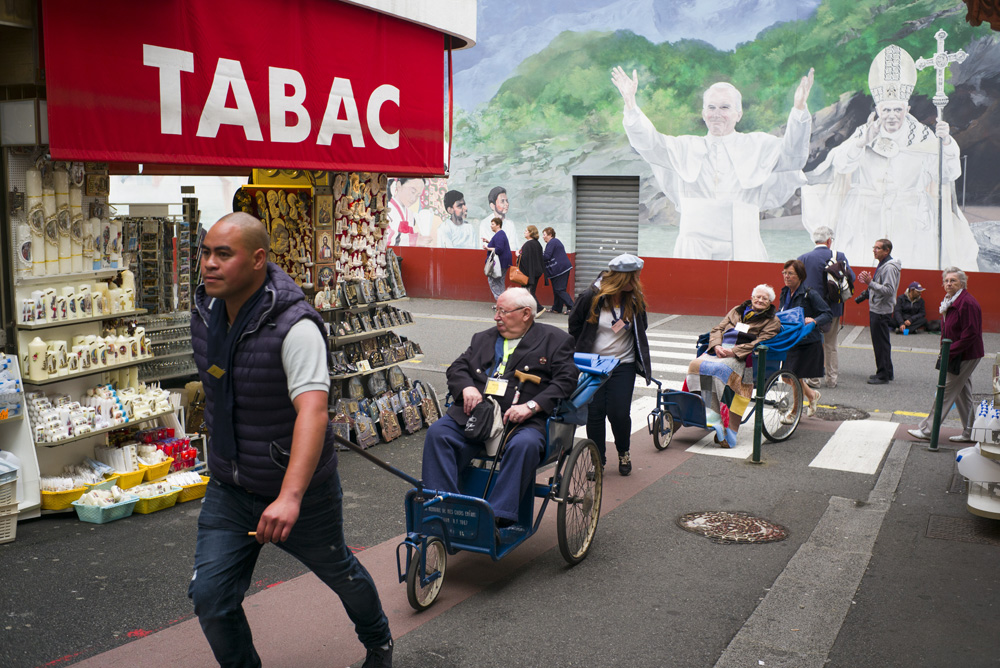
x=504, y=312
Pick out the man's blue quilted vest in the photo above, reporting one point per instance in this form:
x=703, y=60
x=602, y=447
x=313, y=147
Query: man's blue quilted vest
x=263, y=415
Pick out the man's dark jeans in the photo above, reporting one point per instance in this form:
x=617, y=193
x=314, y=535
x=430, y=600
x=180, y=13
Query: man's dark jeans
x=225, y=557
x=879, y=326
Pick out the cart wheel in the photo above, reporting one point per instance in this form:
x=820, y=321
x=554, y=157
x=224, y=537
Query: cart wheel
x=423, y=590
x=580, y=508
x=663, y=431
x=782, y=406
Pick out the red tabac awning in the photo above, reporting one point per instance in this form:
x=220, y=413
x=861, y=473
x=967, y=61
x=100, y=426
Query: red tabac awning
x=306, y=84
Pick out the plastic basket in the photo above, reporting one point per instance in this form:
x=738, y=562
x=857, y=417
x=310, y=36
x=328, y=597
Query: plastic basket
x=153, y=503
x=130, y=479
x=61, y=500
x=105, y=514
x=8, y=491
x=157, y=471
x=192, y=492
x=8, y=522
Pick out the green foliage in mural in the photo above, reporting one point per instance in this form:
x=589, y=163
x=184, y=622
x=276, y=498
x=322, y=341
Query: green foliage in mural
x=565, y=91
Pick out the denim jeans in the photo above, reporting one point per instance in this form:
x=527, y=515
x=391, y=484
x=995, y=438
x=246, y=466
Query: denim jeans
x=225, y=557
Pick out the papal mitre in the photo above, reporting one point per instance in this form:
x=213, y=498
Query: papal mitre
x=892, y=75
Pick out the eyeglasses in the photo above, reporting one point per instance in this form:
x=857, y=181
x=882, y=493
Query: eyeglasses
x=504, y=312
x=877, y=247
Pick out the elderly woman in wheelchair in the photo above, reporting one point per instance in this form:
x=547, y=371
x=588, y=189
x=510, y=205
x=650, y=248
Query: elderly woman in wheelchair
x=722, y=374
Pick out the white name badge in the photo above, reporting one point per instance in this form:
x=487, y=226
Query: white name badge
x=742, y=327
x=496, y=386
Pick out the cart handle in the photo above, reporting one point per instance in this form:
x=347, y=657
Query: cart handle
x=378, y=462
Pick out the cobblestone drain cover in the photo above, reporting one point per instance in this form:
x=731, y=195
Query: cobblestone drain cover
x=732, y=527
x=840, y=413
x=965, y=529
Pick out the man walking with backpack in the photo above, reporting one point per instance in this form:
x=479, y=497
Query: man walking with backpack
x=832, y=277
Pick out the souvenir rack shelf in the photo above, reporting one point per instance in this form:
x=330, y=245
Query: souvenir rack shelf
x=77, y=321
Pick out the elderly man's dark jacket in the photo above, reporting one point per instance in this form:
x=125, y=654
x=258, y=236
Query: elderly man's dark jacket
x=543, y=351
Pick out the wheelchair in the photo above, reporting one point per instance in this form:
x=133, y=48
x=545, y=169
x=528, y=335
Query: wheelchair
x=441, y=523
x=782, y=404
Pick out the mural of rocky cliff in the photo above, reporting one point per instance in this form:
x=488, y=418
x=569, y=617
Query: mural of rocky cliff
x=556, y=114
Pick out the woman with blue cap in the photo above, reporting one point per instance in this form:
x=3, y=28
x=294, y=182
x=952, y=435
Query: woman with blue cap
x=609, y=319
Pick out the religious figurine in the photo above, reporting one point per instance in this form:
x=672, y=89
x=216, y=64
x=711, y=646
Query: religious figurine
x=719, y=183
x=888, y=169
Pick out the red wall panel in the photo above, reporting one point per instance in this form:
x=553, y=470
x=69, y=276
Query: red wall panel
x=690, y=287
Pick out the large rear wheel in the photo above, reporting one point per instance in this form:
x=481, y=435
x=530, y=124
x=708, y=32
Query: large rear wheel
x=423, y=582
x=580, y=505
x=782, y=406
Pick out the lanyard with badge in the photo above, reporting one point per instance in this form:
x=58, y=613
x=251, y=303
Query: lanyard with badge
x=497, y=385
x=618, y=323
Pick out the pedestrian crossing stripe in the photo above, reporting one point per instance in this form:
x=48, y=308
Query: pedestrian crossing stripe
x=681, y=336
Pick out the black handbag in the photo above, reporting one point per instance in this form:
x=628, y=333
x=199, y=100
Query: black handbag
x=954, y=364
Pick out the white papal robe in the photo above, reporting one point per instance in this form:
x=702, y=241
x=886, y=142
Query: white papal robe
x=720, y=184
x=887, y=189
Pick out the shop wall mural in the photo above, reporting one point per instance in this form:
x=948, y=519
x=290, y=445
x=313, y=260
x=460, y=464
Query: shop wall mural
x=536, y=105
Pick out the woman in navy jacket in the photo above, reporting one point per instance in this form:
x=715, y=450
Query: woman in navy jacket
x=557, y=268
x=501, y=246
x=805, y=359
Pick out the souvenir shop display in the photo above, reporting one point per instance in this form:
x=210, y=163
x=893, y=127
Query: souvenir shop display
x=287, y=212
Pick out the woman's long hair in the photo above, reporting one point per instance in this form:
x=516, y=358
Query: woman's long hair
x=612, y=282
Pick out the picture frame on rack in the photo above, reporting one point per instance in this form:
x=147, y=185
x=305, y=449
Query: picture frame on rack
x=324, y=212
x=97, y=185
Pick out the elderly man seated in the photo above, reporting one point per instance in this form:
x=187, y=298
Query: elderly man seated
x=487, y=366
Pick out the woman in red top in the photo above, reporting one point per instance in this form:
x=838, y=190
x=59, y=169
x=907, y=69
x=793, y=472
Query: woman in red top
x=962, y=322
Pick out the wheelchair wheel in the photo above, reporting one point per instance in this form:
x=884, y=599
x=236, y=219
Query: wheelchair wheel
x=663, y=430
x=580, y=508
x=782, y=406
x=424, y=584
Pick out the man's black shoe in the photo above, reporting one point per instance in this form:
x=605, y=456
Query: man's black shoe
x=624, y=464
x=875, y=380
x=379, y=657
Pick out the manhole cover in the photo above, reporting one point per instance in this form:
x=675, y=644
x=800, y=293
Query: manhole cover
x=841, y=413
x=732, y=527
x=965, y=529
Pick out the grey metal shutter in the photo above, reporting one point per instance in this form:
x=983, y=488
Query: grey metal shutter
x=607, y=223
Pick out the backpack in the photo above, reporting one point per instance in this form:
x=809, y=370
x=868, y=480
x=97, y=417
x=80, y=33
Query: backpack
x=839, y=286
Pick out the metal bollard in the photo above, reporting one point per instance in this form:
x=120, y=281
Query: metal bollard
x=939, y=397
x=758, y=420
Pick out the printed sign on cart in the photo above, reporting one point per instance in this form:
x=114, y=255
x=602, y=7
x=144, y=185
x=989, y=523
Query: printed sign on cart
x=251, y=83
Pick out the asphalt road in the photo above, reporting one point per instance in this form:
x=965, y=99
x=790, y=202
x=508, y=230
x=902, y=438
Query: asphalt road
x=648, y=593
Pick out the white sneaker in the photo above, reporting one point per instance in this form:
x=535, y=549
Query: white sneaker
x=916, y=433
x=961, y=438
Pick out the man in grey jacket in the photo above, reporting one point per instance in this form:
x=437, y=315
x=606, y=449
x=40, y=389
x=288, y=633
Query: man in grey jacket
x=882, y=288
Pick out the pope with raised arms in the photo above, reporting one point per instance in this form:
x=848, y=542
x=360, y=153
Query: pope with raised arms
x=720, y=182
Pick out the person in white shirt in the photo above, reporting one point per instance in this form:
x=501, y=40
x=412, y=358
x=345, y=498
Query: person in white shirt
x=456, y=232
x=498, y=207
x=720, y=182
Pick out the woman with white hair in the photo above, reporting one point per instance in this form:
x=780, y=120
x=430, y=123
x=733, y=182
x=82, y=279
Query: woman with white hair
x=962, y=322
x=721, y=374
